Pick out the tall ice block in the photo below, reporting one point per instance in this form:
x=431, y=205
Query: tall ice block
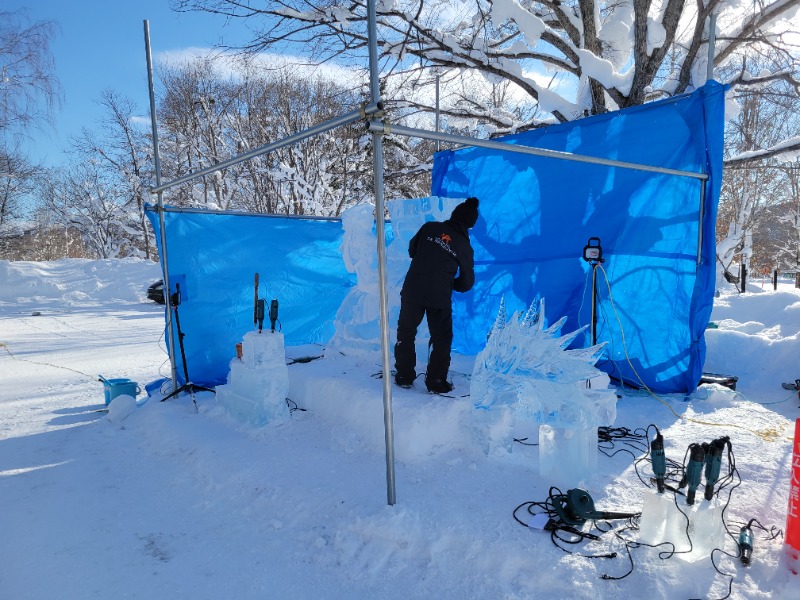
x=567, y=457
x=695, y=530
x=258, y=384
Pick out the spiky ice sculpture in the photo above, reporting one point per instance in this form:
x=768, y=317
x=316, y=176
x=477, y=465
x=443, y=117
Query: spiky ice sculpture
x=526, y=365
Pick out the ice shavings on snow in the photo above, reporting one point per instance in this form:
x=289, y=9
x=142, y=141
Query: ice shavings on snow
x=178, y=502
x=530, y=25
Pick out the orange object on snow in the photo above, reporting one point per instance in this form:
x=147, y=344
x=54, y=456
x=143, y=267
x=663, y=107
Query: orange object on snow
x=793, y=512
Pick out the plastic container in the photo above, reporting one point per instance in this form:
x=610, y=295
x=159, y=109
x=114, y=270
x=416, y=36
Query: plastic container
x=118, y=387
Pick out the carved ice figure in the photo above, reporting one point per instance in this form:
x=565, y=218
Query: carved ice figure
x=527, y=366
x=526, y=370
x=357, y=326
x=357, y=322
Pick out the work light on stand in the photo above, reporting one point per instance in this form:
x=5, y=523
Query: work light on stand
x=593, y=254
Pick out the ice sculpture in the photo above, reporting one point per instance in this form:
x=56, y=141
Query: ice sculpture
x=357, y=322
x=357, y=326
x=258, y=383
x=526, y=366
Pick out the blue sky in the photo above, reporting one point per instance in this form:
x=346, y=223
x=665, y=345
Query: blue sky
x=101, y=45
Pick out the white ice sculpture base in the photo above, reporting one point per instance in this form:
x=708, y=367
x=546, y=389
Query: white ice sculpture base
x=567, y=457
x=663, y=520
x=258, y=383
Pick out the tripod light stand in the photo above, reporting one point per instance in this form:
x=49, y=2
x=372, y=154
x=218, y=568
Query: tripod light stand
x=188, y=386
x=593, y=254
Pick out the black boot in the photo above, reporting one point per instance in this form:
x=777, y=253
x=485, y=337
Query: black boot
x=404, y=382
x=439, y=386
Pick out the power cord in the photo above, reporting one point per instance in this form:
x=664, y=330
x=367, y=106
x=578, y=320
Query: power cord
x=293, y=406
x=767, y=435
x=5, y=347
x=546, y=515
x=549, y=515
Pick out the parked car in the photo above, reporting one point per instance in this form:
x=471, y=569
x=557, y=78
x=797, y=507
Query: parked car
x=156, y=292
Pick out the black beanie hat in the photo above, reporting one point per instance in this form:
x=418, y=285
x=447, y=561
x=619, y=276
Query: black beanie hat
x=466, y=213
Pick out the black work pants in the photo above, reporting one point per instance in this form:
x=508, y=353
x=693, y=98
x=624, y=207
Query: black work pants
x=440, y=326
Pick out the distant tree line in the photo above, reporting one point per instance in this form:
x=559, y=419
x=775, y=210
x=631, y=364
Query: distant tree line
x=206, y=118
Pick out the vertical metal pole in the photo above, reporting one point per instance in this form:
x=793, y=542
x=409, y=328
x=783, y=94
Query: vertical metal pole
x=377, y=177
x=594, y=304
x=161, y=227
x=700, y=220
x=712, y=40
x=437, y=109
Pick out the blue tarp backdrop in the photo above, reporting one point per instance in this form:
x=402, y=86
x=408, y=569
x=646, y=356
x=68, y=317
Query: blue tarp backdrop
x=214, y=258
x=657, y=233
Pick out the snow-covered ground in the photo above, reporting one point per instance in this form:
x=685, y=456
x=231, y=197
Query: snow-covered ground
x=182, y=502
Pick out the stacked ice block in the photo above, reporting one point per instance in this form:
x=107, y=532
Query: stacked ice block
x=258, y=383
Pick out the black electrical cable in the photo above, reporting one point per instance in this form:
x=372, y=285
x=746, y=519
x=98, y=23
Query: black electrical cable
x=733, y=474
x=561, y=533
x=730, y=576
x=293, y=406
x=524, y=441
x=303, y=360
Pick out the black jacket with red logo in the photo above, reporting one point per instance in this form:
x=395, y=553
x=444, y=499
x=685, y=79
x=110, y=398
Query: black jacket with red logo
x=438, y=251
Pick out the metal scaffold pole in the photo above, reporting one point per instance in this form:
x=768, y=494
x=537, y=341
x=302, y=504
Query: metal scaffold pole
x=377, y=176
x=161, y=227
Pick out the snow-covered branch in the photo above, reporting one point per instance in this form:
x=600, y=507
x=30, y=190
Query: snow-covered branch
x=785, y=151
x=569, y=58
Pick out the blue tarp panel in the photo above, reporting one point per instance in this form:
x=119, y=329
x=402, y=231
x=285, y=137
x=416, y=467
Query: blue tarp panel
x=214, y=257
x=538, y=213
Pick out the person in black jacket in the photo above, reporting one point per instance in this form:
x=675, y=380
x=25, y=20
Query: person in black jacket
x=441, y=261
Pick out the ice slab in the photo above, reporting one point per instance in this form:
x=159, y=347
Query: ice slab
x=263, y=349
x=567, y=456
x=695, y=530
x=258, y=384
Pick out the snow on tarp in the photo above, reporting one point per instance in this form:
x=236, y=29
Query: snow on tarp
x=213, y=257
x=538, y=213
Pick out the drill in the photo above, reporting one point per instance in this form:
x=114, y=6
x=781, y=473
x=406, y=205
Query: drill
x=273, y=313
x=745, y=544
x=694, y=470
x=260, y=313
x=713, y=463
x=658, y=460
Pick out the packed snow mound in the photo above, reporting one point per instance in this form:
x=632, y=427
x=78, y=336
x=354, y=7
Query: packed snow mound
x=178, y=500
x=77, y=281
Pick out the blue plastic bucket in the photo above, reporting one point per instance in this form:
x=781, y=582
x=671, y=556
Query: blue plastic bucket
x=119, y=387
